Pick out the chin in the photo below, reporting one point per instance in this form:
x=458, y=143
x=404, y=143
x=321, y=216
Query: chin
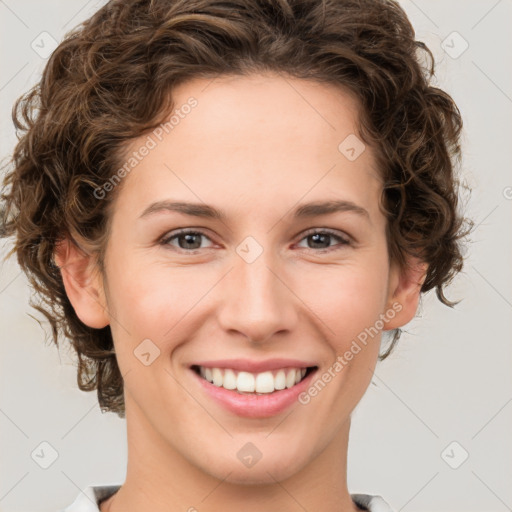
x=263, y=472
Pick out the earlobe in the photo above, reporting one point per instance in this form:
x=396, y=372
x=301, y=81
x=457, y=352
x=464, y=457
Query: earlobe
x=83, y=284
x=404, y=291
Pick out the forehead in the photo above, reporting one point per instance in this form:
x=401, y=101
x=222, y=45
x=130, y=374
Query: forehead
x=269, y=111
x=245, y=136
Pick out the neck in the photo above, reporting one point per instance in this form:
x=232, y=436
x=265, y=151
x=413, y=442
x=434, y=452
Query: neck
x=159, y=478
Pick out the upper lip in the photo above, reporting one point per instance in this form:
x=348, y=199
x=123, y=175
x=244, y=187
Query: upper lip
x=252, y=366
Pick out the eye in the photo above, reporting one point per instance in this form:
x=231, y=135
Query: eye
x=319, y=238
x=188, y=240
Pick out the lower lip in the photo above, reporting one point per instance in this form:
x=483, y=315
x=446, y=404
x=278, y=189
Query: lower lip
x=252, y=405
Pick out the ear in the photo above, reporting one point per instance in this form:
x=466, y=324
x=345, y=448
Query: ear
x=83, y=284
x=404, y=291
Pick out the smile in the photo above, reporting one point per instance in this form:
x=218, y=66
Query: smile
x=253, y=383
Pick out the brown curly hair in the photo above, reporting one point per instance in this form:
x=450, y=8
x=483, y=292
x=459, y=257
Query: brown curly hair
x=111, y=80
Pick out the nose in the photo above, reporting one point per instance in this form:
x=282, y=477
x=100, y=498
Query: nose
x=257, y=299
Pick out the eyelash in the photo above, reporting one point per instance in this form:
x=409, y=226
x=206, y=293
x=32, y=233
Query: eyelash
x=342, y=241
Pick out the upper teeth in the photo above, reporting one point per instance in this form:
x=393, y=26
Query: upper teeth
x=245, y=382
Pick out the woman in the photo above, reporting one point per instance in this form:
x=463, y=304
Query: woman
x=225, y=205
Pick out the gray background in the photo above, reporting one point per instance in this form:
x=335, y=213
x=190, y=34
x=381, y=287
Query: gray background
x=449, y=380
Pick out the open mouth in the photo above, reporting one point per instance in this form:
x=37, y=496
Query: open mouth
x=253, y=383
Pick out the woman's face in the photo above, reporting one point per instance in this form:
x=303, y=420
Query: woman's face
x=253, y=290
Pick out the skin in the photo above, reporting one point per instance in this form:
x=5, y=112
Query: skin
x=255, y=147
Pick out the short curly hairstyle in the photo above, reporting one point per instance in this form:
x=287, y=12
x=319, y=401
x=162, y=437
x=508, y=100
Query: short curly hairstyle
x=111, y=80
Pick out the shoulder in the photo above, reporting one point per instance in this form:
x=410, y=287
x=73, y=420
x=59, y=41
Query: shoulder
x=371, y=503
x=89, y=499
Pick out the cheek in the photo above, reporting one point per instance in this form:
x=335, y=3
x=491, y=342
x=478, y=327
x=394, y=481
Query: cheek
x=346, y=298
x=149, y=298
x=157, y=303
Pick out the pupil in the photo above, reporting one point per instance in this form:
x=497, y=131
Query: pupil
x=189, y=240
x=320, y=236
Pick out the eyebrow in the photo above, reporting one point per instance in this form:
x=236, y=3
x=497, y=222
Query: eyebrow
x=303, y=211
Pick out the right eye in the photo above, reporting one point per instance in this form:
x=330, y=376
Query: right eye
x=188, y=240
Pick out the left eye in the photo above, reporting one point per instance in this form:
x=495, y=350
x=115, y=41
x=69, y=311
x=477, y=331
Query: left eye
x=322, y=237
x=191, y=240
